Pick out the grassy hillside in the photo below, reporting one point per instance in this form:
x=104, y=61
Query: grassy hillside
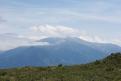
x=108, y=69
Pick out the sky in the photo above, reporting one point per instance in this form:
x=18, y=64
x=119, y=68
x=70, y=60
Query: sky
x=24, y=21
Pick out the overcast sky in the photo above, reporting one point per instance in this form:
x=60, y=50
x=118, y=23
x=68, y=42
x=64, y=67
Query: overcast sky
x=28, y=20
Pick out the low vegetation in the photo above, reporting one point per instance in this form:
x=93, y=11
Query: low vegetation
x=108, y=69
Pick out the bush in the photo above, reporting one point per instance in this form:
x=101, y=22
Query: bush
x=60, y=65
x=97, y=62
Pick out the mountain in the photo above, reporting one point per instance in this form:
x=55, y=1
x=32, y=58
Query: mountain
x=1, y=52
x=104, y=47
x=59, y=51
x=107, y=69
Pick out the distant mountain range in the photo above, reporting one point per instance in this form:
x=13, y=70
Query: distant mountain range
x=59, y=51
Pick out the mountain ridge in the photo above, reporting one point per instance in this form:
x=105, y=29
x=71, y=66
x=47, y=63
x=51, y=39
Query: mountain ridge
x=70, y=51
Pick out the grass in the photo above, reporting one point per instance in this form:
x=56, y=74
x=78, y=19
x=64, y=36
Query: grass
x=108, y=69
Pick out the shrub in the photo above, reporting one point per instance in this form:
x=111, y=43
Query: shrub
x=60, y=65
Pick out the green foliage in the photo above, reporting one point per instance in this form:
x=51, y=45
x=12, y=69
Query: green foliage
x=60, y=65
x=3, y=73
x=97, y=62
x=108, y=69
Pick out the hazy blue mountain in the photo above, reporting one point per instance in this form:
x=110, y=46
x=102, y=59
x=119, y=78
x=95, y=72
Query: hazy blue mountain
x=107, y=48
x=1, y=52
x=104, y=47
x=63, y=51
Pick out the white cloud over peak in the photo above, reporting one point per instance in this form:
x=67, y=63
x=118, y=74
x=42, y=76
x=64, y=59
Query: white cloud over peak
x=61, y=31
x=55, y=31
x=117, y=41
x=39, y=32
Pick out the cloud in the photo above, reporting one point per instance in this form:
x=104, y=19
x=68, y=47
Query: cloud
x=56, y=31
x=95, y=16
x=116, y=41
x=37, y=32
x=2, y=20
x=12, y=40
